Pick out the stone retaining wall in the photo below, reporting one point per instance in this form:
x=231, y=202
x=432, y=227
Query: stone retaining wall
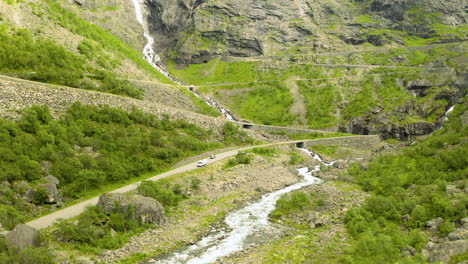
x=288, y=130
x=361, y=142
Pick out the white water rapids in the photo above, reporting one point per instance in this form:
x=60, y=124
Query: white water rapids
x=150, y=55
x=242, y=224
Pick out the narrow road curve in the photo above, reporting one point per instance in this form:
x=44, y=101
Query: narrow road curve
x=77, y=209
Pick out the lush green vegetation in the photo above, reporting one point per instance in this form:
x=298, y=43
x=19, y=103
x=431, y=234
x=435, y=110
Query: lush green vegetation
x=216, y=71
x=265, y=152
x=163, y=191
x=240, y=158
x=325, y=149
x=75, y=24
x=232, y=134
x=89, y=148
x=45, y=61
x=293, y=203
x=411, y=184
x=203, y=107
x=321, y=101
x=313, y=135
x=27, y=256
x=94, y=230
x=267, y=104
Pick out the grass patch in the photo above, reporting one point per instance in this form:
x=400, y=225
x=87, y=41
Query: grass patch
x=216, y=71
x=265, y=152
x=316, y=135
x=321, y=104
x=325, y=149
x=266, y=104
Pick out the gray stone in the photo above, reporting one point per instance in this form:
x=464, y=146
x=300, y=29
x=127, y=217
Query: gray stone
x=441, y=252
x=23, y=236
x=340, y=164
x=52, y=192
x=46, y=165
x=458, y=234
x=435, y=222
x=53, y=180
x=147, y=210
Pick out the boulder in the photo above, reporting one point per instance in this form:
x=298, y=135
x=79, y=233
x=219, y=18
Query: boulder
x=458, y=234
x=23, y=236
x=53, y=195
x=52, y=192
x=147, y=210
x=52, y=180
x=340, y=164
x=441, y=252
x=433, y=225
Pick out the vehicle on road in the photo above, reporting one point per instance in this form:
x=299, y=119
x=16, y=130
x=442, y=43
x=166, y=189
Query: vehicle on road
x=201, y=163
x=212, y=156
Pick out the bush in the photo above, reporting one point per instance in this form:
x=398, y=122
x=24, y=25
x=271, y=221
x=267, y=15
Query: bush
x=289, y=203
x=232, y=134
x=240, y=158
x=119, y=145
x=163, y=192
x=195, y=183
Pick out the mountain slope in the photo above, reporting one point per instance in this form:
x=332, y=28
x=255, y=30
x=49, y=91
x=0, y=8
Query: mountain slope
x=243, y=52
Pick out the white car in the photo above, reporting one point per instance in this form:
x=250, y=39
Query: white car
x=201, y=163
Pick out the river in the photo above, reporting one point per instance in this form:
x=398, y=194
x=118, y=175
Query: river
x=241, y=224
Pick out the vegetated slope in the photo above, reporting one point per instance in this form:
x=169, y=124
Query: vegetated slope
x=89, y=150
x=43, y=41
x=425, y=181
x=252, y=48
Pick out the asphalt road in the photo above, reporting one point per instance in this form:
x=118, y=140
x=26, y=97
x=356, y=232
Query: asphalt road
x=75, y=210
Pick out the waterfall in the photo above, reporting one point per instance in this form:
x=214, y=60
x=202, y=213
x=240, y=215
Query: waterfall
x=150, y=55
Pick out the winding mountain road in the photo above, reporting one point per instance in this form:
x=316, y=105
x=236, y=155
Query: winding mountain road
x=75, y=210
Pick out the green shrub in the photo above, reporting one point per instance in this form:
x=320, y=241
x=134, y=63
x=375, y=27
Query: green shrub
x=195, y=183
x=266, y=152
x=445, y=228
x=95, y=229
x=240, y=158
x=232, y=134
x=163, y=191
x=40, y=195
x=292, y=202
x=296, y=158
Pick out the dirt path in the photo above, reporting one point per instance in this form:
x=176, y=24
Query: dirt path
x=299, y=107
x=75, y=210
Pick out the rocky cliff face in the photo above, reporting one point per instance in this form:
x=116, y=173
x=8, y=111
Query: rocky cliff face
x=195, y=31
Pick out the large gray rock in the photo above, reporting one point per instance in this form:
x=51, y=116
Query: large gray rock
x=147, y=210
x=459, y=234
x=441, y=252
x=53, y=180
x=433, y=225
x=23, y=236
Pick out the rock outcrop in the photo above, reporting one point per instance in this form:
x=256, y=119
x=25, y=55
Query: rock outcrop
x=147, y=210
x=441, y=249
x=195, y=31
x=23, y=236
